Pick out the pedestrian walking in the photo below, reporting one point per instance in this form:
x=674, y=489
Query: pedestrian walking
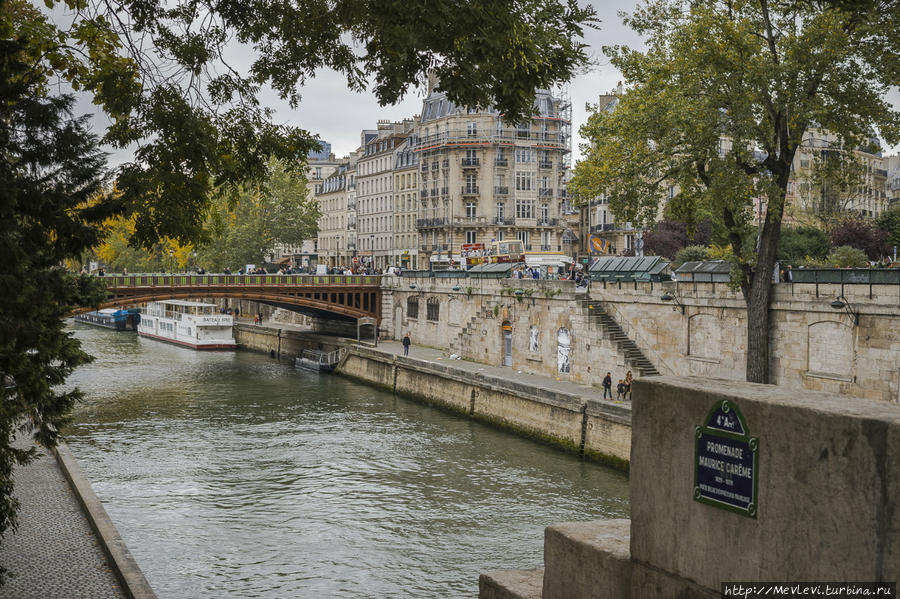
x=406, y=343
x=260, y=318
x=607, y=385
x=256, y=319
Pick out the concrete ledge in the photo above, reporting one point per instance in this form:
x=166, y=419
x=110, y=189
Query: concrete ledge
x=510, y=584
x=585, y=560
x=123, y=564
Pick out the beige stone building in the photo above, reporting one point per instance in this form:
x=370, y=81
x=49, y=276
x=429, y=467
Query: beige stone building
x=892, y=166
x=482, y=179
x=375, y=192
x=406, y=187
x=337, y=220
x=808, y=197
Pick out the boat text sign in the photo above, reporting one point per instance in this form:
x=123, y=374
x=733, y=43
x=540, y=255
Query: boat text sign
x=726, y=461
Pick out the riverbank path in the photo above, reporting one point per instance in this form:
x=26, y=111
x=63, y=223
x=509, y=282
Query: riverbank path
x=439, y=356
x=53, y=554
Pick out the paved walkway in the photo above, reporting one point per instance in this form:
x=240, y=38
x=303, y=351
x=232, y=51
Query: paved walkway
x=442, y=356
x=54, y=553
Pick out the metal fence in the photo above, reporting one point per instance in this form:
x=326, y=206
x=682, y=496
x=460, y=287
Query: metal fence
x=142, y=280
x=848, y=276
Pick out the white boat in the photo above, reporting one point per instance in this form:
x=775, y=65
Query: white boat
x=191, y=324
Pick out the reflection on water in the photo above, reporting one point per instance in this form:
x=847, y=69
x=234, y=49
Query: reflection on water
x=232, y=475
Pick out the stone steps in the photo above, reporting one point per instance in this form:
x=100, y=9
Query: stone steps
x=614, y=332
x=582, y=560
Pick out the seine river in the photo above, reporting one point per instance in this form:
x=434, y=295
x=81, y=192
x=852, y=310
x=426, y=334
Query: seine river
x=234, y=475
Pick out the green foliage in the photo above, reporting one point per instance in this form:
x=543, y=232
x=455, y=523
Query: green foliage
x=803, y=243
x=246, y=223
x=826, y=189
x=889, y=222
x=847, y=257
x=161, y=72
x=717, y=105
x=51, y=210
x=691, y=253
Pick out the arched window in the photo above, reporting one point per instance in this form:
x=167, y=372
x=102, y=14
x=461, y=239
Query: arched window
x=433, y=309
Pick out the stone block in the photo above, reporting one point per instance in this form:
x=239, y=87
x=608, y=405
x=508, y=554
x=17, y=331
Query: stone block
x=828, y=489
x=510, y=584
x=650, y=583
x=587, y=560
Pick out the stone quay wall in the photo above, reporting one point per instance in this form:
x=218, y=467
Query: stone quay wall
x=280, y=342
x=813, y=346
x=599, y=431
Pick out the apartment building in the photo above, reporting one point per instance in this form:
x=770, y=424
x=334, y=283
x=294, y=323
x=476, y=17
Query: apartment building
x=892, y=165
x=482, y=179
x=337, y=215
x=406, y=187
x=807, y=194
x=375, y=192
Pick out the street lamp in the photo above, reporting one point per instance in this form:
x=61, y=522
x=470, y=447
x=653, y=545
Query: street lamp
x=670, y=297
x=841, y=303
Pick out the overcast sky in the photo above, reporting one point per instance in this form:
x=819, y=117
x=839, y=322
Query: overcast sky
x=338, y=115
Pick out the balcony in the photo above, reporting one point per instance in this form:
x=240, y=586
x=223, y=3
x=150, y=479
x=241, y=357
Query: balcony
x=469, y=162
x=468, y=191
x=608, y=227
x=501, y=191
x=526, y=222
x=545, y=248
x=445, y=191
x=436, y=247
x=545, y=164
x=547, y=222
x=424, y=167
x=433, y=193
x=546, y=193
x=445, y=164
x=470, y=221
x=506, y=221
x=427, y=223
x=423, y=194
x=501, y=162
x=435, y=165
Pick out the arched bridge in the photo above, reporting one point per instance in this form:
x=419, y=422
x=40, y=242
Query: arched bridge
x=343, y=297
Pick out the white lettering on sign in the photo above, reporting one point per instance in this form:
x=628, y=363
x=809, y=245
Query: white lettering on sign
x=726, y=450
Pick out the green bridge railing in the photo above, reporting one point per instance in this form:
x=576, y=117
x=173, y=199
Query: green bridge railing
x=147, y=280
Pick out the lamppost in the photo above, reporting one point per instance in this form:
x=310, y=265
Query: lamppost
x=670, y=297
x=841, y=302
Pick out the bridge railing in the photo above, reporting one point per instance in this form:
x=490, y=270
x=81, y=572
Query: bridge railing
x=152, y=280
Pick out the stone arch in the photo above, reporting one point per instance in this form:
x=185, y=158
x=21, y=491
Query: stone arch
x=704, y=336
x=830, y=349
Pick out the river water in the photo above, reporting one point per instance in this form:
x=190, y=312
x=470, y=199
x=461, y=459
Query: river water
x=233, y=475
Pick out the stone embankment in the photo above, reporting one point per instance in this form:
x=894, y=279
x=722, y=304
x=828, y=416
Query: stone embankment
x=562, y=414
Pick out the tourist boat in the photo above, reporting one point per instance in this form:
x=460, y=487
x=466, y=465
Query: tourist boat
x=112, y=318
x=191, y=324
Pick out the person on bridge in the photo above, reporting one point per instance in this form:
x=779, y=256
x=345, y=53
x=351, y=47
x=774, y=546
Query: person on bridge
x=406, y=343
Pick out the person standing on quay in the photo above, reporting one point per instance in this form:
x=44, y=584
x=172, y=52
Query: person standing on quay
x=628, y=380
x=406, y=343
x=607, y=385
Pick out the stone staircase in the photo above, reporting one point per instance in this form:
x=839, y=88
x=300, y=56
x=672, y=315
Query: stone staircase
x=597, y=316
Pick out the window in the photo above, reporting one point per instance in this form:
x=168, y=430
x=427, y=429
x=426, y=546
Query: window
x=432, y=309
x=470, y=237
x=545, y=213
x=523, y=237
x=524, y=208
x=524, y=155
x=471, y=128
x=470, y=209
x=501, y=208
x=471, y=184
x=523, y=131
x=499, y=235
x=524, y=181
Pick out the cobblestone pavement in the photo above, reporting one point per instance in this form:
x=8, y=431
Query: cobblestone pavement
x=54, y=553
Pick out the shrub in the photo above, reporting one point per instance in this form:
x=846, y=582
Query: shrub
x=863, y=235
x=691, y=253
x=847, y=257
x=803, y=243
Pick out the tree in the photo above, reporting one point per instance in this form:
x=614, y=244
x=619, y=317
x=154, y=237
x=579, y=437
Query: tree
x=863, y=235
x=670, y=236
x=802, y=244
x=161, y=72
x=846, y=257
x=691, y=253
x=50, y=173
x=248, y=223
x=889, y=222
x=718, y=105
